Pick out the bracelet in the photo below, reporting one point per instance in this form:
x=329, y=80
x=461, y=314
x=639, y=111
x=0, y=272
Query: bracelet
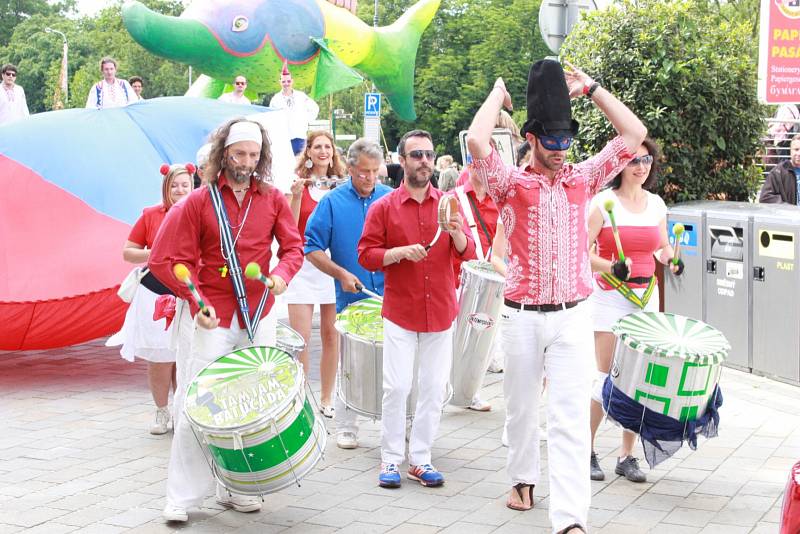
x=591, y=90
x=587, y=85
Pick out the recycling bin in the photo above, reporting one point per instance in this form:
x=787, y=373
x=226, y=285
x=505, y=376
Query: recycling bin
x=684, y=294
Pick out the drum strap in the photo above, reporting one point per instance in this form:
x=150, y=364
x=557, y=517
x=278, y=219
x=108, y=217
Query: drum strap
x=471, y=211
x=234, y=267
x=627, y=292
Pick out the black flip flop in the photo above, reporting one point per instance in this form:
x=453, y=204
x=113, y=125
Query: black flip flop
x=518, y=488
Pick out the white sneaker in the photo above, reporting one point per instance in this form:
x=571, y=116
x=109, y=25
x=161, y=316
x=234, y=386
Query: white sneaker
x=163, y=422
x=479, y=406
x=346, y=440
x=495, y=367
x=174, y=513
x=240, y=503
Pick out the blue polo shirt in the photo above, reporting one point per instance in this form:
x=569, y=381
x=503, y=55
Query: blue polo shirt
x=336, y=225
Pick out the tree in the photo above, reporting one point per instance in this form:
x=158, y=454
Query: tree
x=14, y=12
x=690, y=74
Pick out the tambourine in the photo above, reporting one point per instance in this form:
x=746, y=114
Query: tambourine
x=448, y=206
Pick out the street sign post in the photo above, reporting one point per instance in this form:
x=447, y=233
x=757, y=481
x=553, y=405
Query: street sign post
x=557, y=17
x=372, y=104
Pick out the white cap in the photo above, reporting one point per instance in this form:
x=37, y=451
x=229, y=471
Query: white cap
x=244, y=131
x=202, y=155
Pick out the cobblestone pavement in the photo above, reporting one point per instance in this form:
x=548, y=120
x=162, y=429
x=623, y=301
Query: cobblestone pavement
x=75, y=456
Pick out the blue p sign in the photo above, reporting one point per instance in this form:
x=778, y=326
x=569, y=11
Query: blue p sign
x=372, y=104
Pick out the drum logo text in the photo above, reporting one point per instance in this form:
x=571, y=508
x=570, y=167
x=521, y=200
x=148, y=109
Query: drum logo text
x=257, y=398
x=480, y=321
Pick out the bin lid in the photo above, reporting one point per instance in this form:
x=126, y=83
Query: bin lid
x=785, y=214
x=673, y=336
x=735, y=210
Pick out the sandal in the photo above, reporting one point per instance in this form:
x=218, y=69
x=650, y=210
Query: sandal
x=572, y=526
x=519, y=489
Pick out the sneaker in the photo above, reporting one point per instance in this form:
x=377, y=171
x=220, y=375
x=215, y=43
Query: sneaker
x=163, y=422
x=327, y=411
x=346, y=440
x=389, y=477
x=596, y=472
x=240, y=503
x=629, y=468
x=495, y=367
x=479, y=406
x=426, y=474
x=174, y=513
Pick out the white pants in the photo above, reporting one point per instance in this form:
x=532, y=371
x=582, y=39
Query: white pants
x=560, y=344
x=189, y=478
x=346, y=419
x=435, y=353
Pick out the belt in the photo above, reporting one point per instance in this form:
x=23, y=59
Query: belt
x=541, y=307
x=638, y=280
x=154, y=284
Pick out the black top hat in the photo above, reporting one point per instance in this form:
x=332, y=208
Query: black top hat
x=549, y=110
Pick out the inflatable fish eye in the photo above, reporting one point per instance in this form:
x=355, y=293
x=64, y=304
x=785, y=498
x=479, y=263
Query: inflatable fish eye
x=240, y=23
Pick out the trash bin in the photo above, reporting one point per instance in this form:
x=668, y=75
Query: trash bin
x=684, y=294
x=776, y=293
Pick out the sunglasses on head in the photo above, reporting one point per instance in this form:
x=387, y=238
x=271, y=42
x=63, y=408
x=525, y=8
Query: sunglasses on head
x=555, y=142
x=419, y=154
x=646, y=160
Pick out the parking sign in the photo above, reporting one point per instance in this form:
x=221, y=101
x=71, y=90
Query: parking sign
x=372, y=104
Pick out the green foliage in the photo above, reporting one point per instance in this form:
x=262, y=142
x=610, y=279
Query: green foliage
x=690, y=74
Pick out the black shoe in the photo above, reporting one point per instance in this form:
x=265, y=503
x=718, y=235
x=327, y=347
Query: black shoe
x=629, y=468
x=596, y=472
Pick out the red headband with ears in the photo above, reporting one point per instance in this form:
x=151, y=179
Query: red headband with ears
x=190, y=168
x=164, y=169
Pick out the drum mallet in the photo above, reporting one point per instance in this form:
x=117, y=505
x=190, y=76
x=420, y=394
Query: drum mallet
x=182, y=273
x=677, y=229
x=368, y=292
x=253, y=272
x=609, y=206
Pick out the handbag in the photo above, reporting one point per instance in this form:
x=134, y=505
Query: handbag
x=127, y=289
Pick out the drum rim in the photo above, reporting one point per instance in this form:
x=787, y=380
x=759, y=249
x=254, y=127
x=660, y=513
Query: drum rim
x=295, y=335
x=493, y=276
x=339, y=323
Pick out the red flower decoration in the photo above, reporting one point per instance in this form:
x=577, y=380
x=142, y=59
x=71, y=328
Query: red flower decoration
x=164, y=169
x=190, y=168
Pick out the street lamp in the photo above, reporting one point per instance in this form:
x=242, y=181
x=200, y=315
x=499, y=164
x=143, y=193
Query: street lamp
x=64, y=75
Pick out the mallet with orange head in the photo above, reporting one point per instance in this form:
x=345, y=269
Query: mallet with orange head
x=182, y=274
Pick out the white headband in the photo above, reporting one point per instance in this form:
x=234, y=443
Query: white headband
x=244, y=131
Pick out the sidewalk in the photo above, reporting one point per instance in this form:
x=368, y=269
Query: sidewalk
x=75, y=456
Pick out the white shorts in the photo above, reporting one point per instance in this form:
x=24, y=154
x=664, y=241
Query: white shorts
x=141, y=336
x=310, y=286
x=609, y=306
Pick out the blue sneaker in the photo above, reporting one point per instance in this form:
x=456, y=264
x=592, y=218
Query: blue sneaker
x=389, y=477
x=427, y=475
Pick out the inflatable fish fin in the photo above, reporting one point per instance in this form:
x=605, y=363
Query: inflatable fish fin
x=391, y=61
x=332, y=74
x=205, y=86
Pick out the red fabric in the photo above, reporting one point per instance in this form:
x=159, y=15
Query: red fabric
x=307, y=205
x=164, y=309
x=545, y=223
x=146, y=227
x=638, y=244
x=790, y=512
x=190, y=235
x=418, y=296
x=488, y=212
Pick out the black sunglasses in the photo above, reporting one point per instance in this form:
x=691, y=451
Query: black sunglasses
x=419, y=154
x=10, y=73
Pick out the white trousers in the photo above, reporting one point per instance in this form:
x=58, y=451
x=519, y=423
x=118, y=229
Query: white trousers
x=401, y=347
x=560, y=344
x=346, y=419
x=189, y=478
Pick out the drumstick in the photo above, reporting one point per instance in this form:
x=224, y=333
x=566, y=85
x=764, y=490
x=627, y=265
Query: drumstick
x=368, y=292
x=253, y=272
x=609, y=205
x=678, y=231
x=182, y=274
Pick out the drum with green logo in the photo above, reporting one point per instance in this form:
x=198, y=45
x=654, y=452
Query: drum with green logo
x=288, y=339
x=250, y=409
x=360, y=384
x=668, y=363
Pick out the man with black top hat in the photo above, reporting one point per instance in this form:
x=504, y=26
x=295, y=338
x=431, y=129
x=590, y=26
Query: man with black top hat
x=546, y=328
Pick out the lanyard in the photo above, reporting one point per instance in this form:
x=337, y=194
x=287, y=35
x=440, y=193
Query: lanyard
x=627, y=292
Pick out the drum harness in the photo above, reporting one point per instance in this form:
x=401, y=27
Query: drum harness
x=627, y=292
x=465, y=201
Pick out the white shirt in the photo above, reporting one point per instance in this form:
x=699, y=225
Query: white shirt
x=112, y=95
x=13, y=105
x=233, y=99
x=300, y=108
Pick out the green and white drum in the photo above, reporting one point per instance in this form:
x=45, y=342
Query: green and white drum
x=250, y=409
x=360, y=384
x=288, y=339
x=668, y=363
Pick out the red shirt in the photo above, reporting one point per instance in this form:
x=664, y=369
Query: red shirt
x=307, y=207
x=190, y=235
x=418, y=296
x=487, y=210
x=146, y=227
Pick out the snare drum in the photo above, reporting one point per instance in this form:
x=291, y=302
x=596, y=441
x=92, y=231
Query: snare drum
x=249, y=408
x=360, y=384
x=289, y=340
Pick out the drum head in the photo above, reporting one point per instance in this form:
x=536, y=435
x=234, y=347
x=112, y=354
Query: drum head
x=243, y=387
x=363, y=320
x=288, y=338
x=483, y=269
x=671, y=335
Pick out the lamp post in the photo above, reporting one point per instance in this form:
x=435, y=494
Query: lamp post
x=64, y=75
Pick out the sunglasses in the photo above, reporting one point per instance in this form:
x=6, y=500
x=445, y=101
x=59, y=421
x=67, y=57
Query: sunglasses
x=646, y=160
x=555, y=142
x=12, y=74
x=241, y=83
x=419, y=154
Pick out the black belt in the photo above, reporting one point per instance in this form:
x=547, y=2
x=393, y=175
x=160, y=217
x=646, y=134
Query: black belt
x=154, y=284
x=541, y=307
x=638, y=280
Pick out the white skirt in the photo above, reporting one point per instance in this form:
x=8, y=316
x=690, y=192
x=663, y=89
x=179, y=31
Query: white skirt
x=141, y=336
x=609, y=306
x=310, y=286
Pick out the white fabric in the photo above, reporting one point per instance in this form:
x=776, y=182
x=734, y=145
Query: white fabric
x=401, y=347
x=141, y=336
x=467, y=209
x=233, y=99
x=653, y=214
x=597, y=386
x=609, y=306
x=111, y=95
x=561, y=345
x=13, y=105
x=244, y=131
x=346, y=419
x=189, y=479
x=310, y=286
x=300, y=109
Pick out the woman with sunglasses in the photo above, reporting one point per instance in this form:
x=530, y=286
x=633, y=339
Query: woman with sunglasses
x=318, y=170
x=621, y=288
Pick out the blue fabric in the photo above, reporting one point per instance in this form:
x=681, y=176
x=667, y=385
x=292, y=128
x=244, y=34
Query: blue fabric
x=297, y=145
x=797, y=182
x=661, y=435
x=336, y=225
